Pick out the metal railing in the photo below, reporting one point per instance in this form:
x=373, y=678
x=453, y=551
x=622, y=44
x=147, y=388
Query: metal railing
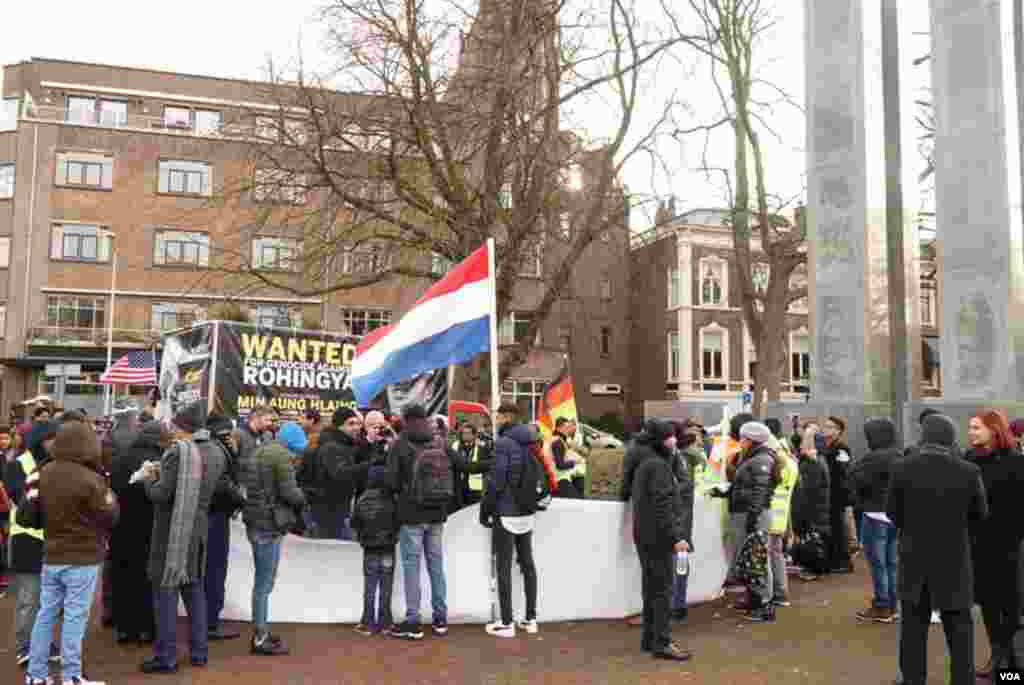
x=132, y=121
x=91, y=337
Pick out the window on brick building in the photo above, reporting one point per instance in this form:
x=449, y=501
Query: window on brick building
x=83, y=170
x=279, y=315
x=7, y=180
x=182, y=177
x=279, y=186
x=181, y=248
x=673, y=356
x=169, y=316
x=86, y=314
x=713, y=348
x=513, y=327
x=360, y=321
x=80, y=242
x=276, y=254
x=367, y=259
x=92, y=111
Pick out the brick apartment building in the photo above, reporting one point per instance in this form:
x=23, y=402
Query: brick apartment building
x=102, y=164
x=694, y=344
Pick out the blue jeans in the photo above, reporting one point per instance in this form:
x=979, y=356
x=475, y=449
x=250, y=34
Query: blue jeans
x=413, y=541
x=881, y=551
x=266, y=556
x=69, y=588
x=218, y=548
x=165, y=599
x=378, y=574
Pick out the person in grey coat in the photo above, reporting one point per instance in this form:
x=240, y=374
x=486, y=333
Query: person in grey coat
x=934, y=496
x=181, y=489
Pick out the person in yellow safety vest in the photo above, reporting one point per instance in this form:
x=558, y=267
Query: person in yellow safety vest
x=781, y=499
x=570, y=467
x=26, y=544
x=478, y=461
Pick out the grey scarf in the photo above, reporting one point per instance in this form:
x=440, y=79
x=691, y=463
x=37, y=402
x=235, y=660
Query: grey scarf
x=186, y=503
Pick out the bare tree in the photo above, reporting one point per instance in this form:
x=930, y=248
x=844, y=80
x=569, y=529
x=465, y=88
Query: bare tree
x=732, y=34
x=427, y=139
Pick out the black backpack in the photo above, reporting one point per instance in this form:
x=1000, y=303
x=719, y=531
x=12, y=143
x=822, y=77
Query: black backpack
x=433, y=477
x=531, y=493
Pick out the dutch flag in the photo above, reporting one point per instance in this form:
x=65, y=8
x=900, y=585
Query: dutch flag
x=450, y=324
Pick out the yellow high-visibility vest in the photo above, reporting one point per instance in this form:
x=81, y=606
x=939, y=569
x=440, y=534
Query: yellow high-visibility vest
x=476, y=480
x=783, y=496
x=28, y=465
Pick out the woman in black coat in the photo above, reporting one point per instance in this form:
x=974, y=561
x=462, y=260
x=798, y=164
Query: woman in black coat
x=995, y=542
x=133, y=600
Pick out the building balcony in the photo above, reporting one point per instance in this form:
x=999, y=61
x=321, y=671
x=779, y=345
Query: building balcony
x=131, y=122
x=68, y=336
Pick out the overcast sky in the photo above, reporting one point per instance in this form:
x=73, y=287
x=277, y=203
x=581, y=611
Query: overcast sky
x=230, y=38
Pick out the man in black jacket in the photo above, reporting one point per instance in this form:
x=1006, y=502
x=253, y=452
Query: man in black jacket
x=662, y=526
x=226, y=502
x=479, y=461
x=933, y=497
x=421, y=532
x=336, y=468
x=869, y=481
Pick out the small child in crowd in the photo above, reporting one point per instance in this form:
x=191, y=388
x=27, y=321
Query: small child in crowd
x=376, y=524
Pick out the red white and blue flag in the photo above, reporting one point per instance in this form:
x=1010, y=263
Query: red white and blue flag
x=450, y=324
x=134, y=368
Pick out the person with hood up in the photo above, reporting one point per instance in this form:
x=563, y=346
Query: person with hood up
x=273, y=507
x=424, y=472
x=181, y=488
x=934, y=499
x=869, y=481
x=662, y=527
x=77, y=510
x=512, y=525
x=811, y=514
x=134, y=617
x=995, y=542
x=332, y=475
x=26, y=544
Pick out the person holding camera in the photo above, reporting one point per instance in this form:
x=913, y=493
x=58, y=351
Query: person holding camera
x=181, y=487
x=273, y=506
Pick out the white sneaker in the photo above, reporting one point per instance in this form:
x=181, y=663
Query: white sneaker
x=936, y=619
x=501, y=630
x=530, y=627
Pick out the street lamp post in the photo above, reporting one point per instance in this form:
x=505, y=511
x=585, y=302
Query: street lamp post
x=107, y=401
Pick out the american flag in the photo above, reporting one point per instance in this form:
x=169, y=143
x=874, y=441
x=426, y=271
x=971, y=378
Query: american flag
x=134, y=368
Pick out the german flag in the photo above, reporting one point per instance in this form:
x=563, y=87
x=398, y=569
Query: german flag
x=558, y=400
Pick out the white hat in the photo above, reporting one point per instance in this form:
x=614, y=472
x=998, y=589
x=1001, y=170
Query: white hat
x=756, y=432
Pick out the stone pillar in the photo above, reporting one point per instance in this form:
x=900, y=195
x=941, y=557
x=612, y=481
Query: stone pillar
x=851, y=367
x=978, y=204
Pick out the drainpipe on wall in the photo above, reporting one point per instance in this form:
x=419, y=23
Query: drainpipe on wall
x=29, y=227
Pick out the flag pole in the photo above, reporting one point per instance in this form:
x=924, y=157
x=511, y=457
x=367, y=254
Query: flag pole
x=493, y=318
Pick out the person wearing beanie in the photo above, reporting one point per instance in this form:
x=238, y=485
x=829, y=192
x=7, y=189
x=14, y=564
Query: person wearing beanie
x=757, y=474
x=934, y=499
x=332, y=474
x=293, y=437
x=227, y=501
x=77, y=509
x=996, y=541
x=662, y=527
x=424, y=471
x=374, y=519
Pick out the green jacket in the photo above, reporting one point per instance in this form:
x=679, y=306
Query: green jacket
x=268, y=478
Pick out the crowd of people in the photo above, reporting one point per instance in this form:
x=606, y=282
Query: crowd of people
x=151, y=504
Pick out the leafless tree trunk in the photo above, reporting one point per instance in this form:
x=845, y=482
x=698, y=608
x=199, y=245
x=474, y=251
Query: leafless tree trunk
x=732, y=30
